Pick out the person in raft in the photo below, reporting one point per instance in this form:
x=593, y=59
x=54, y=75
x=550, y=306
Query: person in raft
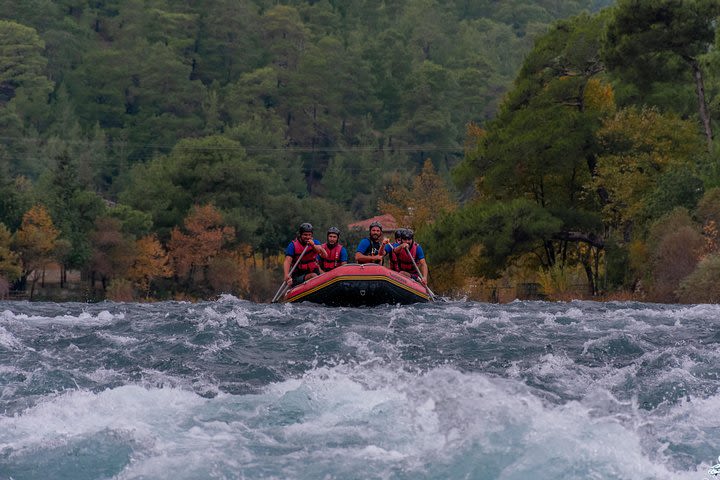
x=371, y=249
x=407, y=255
x=391, y=246
x=308, y=267
x=335, y=254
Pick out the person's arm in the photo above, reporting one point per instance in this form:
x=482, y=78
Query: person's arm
x=383, y=252
x=318, y=260
x=318, y=248
x=286, y=270
x=361, y=257
x=422, y=265
x=319, y=251
x=343, y=256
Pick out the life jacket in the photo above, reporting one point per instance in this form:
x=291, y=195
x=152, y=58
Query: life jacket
x=308, y=262
x=392, y=257
x=402, y=262
x=333, y=259
x=374, y=249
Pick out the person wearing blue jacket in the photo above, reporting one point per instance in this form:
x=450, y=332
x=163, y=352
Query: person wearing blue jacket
x=372, y=248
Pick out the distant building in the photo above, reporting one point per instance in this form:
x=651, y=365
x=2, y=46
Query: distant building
x=388, y=222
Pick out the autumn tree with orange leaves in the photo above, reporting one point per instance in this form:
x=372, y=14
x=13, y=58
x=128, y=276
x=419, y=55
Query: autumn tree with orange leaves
x=229, y=272
x=423, y=203
x=10, y=267
x=35, y=242
x=151, y=262
x=192, y=249
x=113, y=252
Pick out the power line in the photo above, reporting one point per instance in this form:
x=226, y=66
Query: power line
x=251, y=148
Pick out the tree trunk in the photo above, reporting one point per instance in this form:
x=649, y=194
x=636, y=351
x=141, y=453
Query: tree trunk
x=702, y=103
x=550, y=252
x=592, y=290
x=597, y=270
x=32, y=286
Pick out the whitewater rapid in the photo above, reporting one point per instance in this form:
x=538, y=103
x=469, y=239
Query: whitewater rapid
x=237, y=390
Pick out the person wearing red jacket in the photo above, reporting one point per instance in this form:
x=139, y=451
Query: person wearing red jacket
x=408, y=257
x=308, y=266
x=335, y=254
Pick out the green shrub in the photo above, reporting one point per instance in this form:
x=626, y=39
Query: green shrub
x=674, y=258
x=702, y=285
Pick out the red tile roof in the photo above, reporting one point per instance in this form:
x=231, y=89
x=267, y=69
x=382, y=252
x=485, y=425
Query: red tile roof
x=388, y=222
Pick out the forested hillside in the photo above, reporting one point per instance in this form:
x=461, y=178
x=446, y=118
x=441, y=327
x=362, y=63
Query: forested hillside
x=122, y=118
x=601, y=168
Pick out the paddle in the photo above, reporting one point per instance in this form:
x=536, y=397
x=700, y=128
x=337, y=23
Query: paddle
x=430, y=292
x=285, y=285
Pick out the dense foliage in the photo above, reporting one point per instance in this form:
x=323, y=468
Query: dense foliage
x=602, y=159
x=119, y=118
x=139, y=133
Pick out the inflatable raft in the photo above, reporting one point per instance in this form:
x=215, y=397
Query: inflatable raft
x=356, y=285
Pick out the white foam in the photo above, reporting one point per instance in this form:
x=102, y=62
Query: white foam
x=211, y=319
x=217, y=347
x=103, y=375
x=476, y=321
x=340, y=419
x=228, y=298
x=677, y=312
x=377, y=453
x=8, y=340
x=103, y=318
x=368, y=410
x=121, y=340
x=81, y=412
x=444, y=414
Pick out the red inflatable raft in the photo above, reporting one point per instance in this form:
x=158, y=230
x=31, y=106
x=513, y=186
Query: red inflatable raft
x=354, y=285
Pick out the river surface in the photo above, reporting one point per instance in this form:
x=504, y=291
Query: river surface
x=460, y=390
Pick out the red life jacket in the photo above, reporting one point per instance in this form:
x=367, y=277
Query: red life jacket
x=393, y=258
x=333, y=259
x=402, y=262
x=308, y=262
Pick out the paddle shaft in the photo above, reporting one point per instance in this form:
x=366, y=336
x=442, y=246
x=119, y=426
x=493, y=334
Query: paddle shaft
x=432, y=295
x=277, y=295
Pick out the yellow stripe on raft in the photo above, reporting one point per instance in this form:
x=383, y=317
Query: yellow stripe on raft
x=360, y=277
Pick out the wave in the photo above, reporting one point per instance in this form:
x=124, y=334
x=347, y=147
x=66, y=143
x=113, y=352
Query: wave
x=233, y=389
x=334, y=422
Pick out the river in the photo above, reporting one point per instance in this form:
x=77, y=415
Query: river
x=231, y=389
